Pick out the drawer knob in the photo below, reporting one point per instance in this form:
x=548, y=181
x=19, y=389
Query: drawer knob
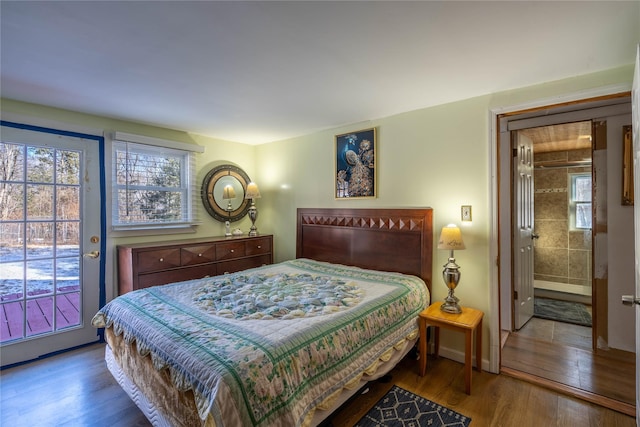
x=232, y=250
x=161, y=259
x=259, y=247
x=199, y=254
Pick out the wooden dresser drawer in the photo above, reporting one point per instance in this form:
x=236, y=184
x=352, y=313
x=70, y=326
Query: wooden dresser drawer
x=258, y=246
x=229, y=250
x=227, y=267
x=158, y=260
x=178, y=275
x=141, y=265
x=190, y=255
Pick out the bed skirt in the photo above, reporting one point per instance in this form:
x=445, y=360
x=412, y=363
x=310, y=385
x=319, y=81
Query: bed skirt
x=166, y=406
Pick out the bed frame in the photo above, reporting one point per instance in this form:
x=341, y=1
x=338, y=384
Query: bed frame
x=398, y=240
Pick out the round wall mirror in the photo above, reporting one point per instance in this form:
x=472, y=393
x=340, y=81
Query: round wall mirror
x=223, y=190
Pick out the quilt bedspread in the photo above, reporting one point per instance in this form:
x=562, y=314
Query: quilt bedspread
x=278, y=340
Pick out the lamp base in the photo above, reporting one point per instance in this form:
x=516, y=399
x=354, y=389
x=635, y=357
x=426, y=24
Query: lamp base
x=253, y=215
x=451, y=276
x=450, y=304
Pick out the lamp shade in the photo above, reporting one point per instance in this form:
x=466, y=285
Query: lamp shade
x=451, y=238
x=252, y=191
x=228, y=192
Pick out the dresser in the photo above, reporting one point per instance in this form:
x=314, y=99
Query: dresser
x=158, y=263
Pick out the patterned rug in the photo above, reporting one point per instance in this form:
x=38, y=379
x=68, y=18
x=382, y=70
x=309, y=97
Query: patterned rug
x=562, y=311
x=401, y=408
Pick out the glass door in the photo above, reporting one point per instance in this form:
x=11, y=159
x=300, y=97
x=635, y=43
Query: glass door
x=50, y=239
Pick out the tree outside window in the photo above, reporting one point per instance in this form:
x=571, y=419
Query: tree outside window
x=152, y=185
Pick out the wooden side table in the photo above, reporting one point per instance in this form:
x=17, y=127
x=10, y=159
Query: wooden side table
x=468, y=321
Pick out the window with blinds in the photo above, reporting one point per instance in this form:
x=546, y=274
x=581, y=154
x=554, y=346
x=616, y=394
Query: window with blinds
x=152, y=186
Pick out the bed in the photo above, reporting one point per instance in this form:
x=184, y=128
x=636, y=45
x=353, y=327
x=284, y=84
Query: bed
x=279, y=345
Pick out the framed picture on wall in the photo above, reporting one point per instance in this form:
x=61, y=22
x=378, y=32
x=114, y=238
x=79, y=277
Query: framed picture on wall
x=355, y=168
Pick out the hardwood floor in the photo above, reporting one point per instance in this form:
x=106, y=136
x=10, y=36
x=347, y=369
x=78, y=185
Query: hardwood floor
x=75, y=389
x=70, y=389
x=559, y=355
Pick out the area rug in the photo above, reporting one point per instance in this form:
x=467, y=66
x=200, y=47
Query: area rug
x=561, y=311
x=401, y=408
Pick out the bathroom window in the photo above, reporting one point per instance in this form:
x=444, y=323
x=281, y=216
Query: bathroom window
x=580, y=201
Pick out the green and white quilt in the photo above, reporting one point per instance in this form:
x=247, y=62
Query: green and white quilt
x=279, y=340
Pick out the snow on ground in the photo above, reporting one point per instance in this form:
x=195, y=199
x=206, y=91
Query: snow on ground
x=39, y=271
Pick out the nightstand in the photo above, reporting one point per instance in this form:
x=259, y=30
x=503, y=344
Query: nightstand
x=468, y=321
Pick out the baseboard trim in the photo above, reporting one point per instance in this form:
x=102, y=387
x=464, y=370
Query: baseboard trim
x=597, y=399
x=458, y=356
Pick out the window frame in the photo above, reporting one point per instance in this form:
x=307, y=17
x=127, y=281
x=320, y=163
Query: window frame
x=188, y=188
x=574, y=203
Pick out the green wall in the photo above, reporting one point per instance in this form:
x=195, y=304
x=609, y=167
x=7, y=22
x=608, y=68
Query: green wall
x=436, y=157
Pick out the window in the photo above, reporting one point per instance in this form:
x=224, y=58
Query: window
x=153, y=186
x=580, y=201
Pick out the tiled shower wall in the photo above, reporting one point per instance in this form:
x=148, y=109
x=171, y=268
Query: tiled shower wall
x=560, y=255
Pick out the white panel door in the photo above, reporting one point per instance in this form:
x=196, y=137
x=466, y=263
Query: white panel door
x=523, y=230
x=50, y=239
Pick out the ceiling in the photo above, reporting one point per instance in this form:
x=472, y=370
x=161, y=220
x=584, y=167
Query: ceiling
x=256, y=72
x=563, y=137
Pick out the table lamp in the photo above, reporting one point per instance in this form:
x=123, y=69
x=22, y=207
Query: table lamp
x=253, y=193
x=451, y=239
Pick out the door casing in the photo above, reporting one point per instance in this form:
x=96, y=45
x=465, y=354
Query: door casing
x=500, y=222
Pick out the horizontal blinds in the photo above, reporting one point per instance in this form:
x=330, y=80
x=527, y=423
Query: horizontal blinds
x=147, y=140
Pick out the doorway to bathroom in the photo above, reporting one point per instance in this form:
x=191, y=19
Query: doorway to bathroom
x=562, y=233
x=571, y=178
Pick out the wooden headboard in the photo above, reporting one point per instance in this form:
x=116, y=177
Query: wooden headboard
x=398, y=240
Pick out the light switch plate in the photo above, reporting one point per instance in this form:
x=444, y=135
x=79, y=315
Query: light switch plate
x=465, y=213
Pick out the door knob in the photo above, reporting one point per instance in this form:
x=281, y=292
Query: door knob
x=92, y=254
x=630, y=300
